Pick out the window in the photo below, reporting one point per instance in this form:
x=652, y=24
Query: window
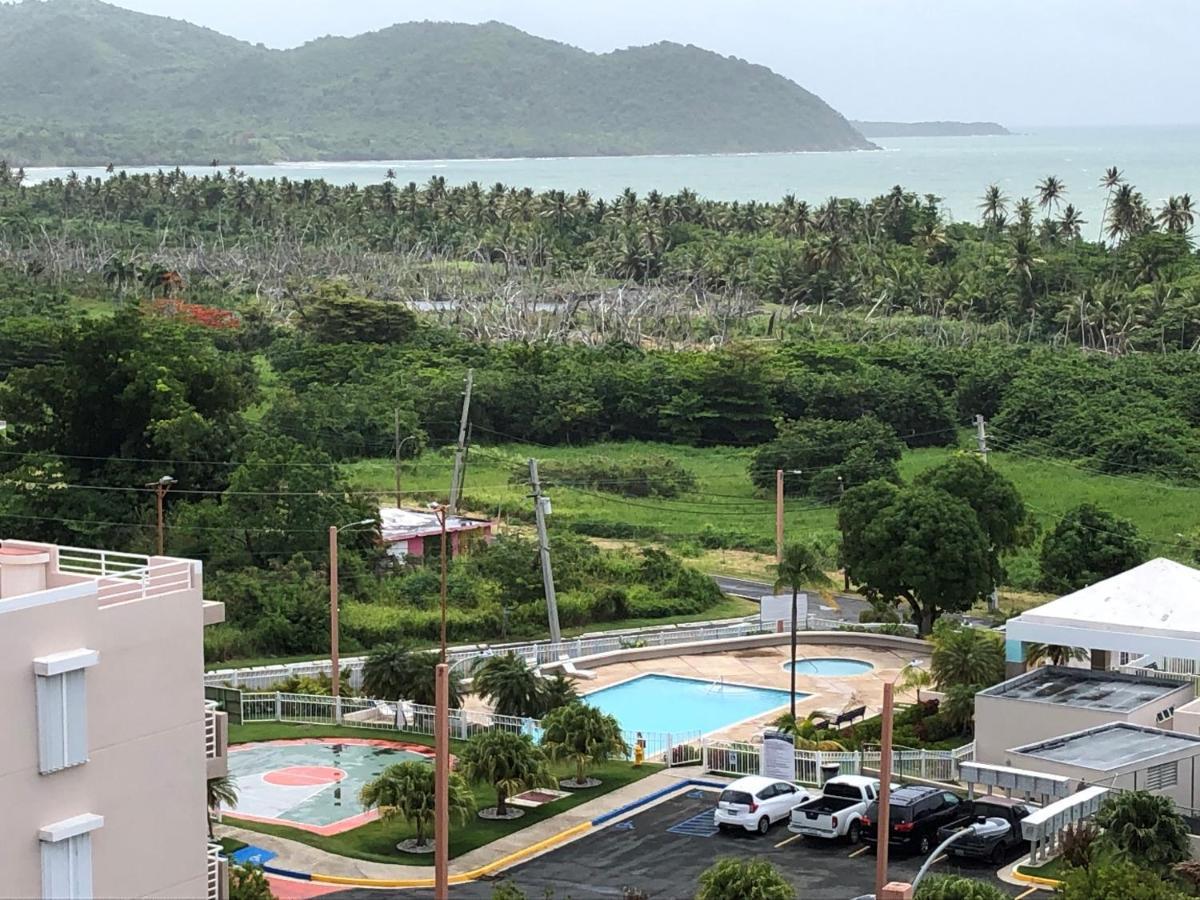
x=62, y=708
x=67, y=857
x=951, y=799
x=1162, y=776
x=781, y=789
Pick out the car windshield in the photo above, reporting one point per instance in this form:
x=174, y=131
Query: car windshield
x=736, y=797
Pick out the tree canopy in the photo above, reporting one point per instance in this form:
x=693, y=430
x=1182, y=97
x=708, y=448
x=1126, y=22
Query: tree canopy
x=1088, y=545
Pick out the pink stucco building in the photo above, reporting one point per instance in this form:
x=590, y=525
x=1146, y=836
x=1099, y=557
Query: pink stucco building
x=108, y=739
x=411, y=534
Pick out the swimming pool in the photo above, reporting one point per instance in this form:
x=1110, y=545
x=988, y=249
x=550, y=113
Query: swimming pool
x=312, y=784
x=679, y=705
x=830, y=665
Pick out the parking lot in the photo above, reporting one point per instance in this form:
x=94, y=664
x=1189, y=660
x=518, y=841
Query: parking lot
x=663, y=851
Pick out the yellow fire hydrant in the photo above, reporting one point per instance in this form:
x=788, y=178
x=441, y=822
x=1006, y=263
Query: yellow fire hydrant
x=639, y=750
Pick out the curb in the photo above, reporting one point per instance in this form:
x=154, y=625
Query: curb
x=504, y=861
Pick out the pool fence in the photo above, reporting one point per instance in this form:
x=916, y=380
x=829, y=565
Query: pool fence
x=666, y=748
x=463, y=660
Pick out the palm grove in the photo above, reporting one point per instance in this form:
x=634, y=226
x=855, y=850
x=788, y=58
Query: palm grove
x=254, y=337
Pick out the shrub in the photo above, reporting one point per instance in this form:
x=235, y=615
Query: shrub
x=653, y=475
x=954, y=887
x=744, y=879
x=821, y=450
x=1077, y=842
x=1145, y=829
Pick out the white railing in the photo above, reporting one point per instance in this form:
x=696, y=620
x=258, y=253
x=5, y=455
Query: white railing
x=100, y=563
x=537, y=653
x=214, y=871
x=741, y=758
x=127, y=576
x=210, y=729
x=414, y=718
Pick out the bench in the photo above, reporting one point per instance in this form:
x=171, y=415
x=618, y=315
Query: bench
x=846, y=718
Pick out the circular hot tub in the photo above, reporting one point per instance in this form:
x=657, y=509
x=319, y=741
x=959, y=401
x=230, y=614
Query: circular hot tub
x=830, y=665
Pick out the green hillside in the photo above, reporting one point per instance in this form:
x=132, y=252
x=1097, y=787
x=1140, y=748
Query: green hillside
x=82, y=82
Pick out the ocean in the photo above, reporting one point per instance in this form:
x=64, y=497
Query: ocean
x=1159, y=160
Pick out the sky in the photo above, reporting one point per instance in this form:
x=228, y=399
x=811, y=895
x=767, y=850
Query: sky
x=1019, y=62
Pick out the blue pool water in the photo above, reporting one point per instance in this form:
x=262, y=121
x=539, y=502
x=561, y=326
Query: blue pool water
x=830, y=666
x=679, y=705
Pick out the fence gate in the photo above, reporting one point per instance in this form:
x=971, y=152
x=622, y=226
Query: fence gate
x=229, y=700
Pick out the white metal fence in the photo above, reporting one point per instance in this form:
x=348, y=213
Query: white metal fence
x=671, y=749
x=537, y=653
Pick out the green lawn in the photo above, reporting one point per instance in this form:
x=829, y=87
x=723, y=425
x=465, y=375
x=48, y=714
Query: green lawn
x=376, y=841
x=727, y=500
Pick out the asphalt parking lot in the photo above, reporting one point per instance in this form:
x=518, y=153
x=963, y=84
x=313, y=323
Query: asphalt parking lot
x=664, y=849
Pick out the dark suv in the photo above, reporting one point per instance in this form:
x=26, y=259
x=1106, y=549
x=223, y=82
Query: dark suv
x=916, y=813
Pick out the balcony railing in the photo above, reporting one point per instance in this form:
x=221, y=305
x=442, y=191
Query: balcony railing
x=127, y=576
x=210, y=729
x=214, y=872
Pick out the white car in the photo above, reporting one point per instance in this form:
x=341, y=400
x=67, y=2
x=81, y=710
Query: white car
x=755, y=803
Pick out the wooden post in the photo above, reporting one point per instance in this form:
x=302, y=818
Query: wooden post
x=335, y=675
x=779, y=515
x=883, y=826
x=441, y=793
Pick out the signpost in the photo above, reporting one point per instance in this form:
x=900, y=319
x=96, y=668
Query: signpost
x=778, y=758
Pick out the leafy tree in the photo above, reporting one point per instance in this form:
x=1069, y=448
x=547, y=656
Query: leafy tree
x=1088, y=545
x=821, y=450
x=507, y=761
x=405, y=792
x=332, y=316
x=221, y=791
x=955, y=887
x=513, y=688
x=1145, y=829
x=397, y=672
x=247, y=882
x=1113, y=878
x=915, y=544
x=744, y=879
x=583, y=735
x=800, y=566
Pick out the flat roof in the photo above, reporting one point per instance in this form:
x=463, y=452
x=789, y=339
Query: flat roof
x=1084, y=688
x=1117, y=745
x=1159, y=597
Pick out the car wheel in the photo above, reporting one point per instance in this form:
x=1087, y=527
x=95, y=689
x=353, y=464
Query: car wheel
x=722, y=827
x=764, y=825
x=998, y=855
x=854, y=833
x=924, y=845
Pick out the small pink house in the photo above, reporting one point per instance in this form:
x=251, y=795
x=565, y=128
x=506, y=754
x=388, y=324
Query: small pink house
x=414, y=533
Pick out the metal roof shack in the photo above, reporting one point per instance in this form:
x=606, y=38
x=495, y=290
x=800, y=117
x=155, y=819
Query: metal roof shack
x=1054, y=700
x=406, y=531
x=1121, y=756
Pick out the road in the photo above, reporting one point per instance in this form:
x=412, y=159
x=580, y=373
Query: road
x=847, y=606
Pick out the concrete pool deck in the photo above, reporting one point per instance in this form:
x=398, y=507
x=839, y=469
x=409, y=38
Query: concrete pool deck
x=764, y=667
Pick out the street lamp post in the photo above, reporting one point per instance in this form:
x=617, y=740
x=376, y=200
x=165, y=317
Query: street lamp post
x=336, y=675
x=160, y=491
x=883, y=826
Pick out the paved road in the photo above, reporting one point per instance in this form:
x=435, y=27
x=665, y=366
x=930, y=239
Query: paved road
x=848, y=607
x=642, y=853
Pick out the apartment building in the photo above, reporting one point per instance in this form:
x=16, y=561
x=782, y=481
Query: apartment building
x=108, y=740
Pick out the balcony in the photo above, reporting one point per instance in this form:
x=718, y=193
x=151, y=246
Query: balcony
x=218, y=874
x=216, y=740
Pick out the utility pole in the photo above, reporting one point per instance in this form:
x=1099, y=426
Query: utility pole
x=335, y=671
x=981, y=436
x=160, y=492
x=540, y=505
x=460, y=452
x=397, y=440
x=778, y=516
x=441, y=783
x=845, y=567
x=981, y=439
x=883, y=826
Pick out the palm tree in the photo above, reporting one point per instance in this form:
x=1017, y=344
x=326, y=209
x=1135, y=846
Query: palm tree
x=557, y=691
x=1109, y=180
x=405, y=792
x=583, y=735
x=222, y=791
x=915, y=678
x=994, y=207
x=513, y=688
x=1050, y=192
x=1052, y=654
x=1071, y=223
x=396, y=672
x=507, y=761
x=798, y=567
x=1145, y=828
x=966, y=656
x=1024, y=213
x=1176, y=215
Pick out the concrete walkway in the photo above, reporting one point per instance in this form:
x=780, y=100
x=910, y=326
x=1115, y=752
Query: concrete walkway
x=303, y=858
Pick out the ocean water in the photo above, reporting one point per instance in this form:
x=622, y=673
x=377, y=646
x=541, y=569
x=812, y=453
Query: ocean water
x=1160, y=161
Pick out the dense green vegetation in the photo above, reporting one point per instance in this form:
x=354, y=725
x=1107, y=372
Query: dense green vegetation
x=78, y=85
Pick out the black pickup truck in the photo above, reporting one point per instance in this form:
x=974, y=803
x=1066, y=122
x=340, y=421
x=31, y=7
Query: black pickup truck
x=998, y=835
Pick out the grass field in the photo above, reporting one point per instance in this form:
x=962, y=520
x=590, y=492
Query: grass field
x=376, y=841
x=1165, y=513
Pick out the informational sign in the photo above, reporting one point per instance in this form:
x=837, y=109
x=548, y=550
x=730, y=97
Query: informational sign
x=775, y=612
x=778, y=758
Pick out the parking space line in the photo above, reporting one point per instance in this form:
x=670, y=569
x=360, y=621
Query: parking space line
x=941, y=858
x=786, y=841
x=1029, y=893
x=860, y=851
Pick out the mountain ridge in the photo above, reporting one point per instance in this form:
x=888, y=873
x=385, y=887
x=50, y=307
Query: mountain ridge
x=83, y=82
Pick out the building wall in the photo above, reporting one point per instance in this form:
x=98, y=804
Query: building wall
x=1002, y=723
x=146, y=762
x=1182, y=794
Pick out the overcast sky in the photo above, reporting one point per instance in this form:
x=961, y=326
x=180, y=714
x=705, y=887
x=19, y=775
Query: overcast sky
x=1021, y=62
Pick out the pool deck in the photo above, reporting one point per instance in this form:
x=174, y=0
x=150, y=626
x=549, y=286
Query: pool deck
x=764, y=667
